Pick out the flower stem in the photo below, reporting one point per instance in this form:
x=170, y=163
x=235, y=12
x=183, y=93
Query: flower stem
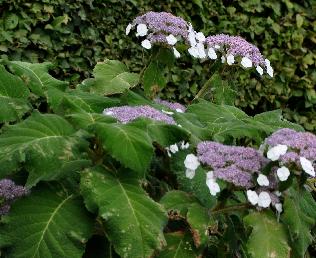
x=231, y=208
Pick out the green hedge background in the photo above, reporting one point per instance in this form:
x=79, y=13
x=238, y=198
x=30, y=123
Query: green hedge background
x=76, y=34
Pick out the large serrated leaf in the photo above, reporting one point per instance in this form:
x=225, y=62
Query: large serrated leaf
x=36, y=76
x=268, y=238
x=134, y=223
x=127, y=144
x=46, y=145
x=179, y=245
x=13, y=97
x=154, y=78
x=110, y=77
x=48, y=223
x=300, y=217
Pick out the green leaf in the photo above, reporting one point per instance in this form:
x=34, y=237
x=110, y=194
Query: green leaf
x=134, y=223
x=48, y=223
x=36, y=76
x=268, y=238
x=84, y=120
x=11, y=21
x=179, y=245
x=127, y=144
x=154, y=78
x=13, y=97
x=222, y=92
x=110, y=77
x=47, y=146
x=299, y=216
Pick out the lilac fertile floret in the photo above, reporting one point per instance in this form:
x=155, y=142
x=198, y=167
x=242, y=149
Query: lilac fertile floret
x=231, y=163
x=126, y=114
x=236, y=46
x=9, y=191
x=171, y=105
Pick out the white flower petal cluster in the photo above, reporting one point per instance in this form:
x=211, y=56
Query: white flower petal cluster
x=171, y=40
x=246, y=62
x=230, y=59
x=259, y=70
x=275, y=152
x=176, y=54
x=211, y=183
x=146, y=44
x=142, y=30
x=263, y=180
x=262, y=200
x=307, y=166
x=184, y=145
x=283, y=173
x=191, y=163
x=128, y=29
x=269, y=68
x=167, y=112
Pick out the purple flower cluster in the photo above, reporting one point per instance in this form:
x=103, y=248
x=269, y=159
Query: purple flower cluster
x=126, y=114
x=230, y=163
x=236, y=46
x=161, y=24
x=172, y=105
x=9, y=191
x=300, y=144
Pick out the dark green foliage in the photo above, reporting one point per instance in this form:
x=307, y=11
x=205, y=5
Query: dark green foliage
x=77, y=34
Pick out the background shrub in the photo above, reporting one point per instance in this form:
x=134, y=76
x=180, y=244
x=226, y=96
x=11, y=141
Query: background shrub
x=76, y=34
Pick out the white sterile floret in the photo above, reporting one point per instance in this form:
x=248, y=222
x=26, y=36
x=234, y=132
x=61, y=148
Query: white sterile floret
x=252, y=197
x=171, y=39
x=146, y=44
x=176, y=52
x=168, y=151
x=223, y=59
x=211, y=183
x=267, y=62
x=259, y=70
x=179, y=125
x=184, y=145
x=108, y=113
x=193, y=51
x=264, y=200
x=141, y=30
x=307, y=166
x=179, y=110
x=189, y=173
x=230, y=59
x=263, y=180
x=283, y=173
x=277, y=193
x=275, y=152
x=278, y=207
x=191, y=36
x=270, y=71
x=200, y=36
x=201, y=50
x=246, y=62
x=217, y=46
x=191, y=162
x=128, y=29
x=212, y=54
x=167, y=112
x=174, y=148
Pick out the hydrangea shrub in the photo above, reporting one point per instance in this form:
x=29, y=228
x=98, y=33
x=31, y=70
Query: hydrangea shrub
x=110, y=170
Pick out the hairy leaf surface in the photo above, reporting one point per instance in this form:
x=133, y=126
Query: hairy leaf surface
x=48, y=223
x=133, y=221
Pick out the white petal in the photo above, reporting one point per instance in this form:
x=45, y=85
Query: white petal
x=264, y=200
x=263, y=180
x=193, y=51
x=174, y=148
x=141, y=30
x=201, y=50
x=184, y=145
x=252, y=197
x=211, y=184
x=217, y=46
x=270, y=71
x=278, y=207
x=283, y=173
x=210, y=175
x=230, y=59
x=108, y=113
x=191, y=161
x=167, y=112
x=275, y=152
x=200, y=36
x=146, y=44
x=212, y=54
x=171, y=39
x=179, y=125
x=191, y=36
x=246, y=62
x=259, y=70
x=307, y=166
x=267, y=61
x=128, y=29
x=189, y=173
x=179, y=110
x=223, y=59
x=176, y=53
x=168, y=151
